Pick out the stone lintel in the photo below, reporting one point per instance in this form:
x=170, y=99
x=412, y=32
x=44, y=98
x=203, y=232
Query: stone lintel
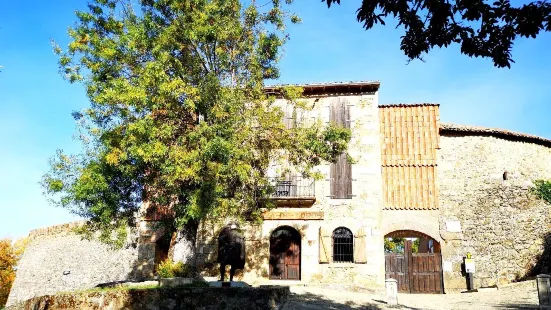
x=293, y=215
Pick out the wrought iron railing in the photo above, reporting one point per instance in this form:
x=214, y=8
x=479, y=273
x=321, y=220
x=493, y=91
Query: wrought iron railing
x=292, y=187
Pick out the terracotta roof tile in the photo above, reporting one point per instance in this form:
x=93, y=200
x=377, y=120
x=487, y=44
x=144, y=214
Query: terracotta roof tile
x=502, y=133
x=420, y=104
x=409, y=139
x=409, y=134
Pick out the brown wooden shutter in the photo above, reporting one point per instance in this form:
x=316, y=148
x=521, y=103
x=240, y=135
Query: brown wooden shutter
x=341, y=169
x=324, y=245
x=360, y=256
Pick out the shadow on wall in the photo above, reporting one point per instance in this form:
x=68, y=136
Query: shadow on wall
x=505, y=227
x=256, y=261
x=257, y=249
x=541, y=263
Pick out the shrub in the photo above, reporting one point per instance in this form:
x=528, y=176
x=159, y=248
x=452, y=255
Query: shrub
x=170, y=269
x=9, y=256
x=542, y=189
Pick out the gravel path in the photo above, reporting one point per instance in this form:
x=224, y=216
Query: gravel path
x=517, y=296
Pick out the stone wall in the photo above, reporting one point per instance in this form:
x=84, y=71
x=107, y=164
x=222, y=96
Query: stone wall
x=424, y=221
x=58, y=260
x=498, y=221
x=165, y=298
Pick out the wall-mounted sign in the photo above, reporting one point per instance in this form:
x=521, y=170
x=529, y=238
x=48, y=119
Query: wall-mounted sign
x=469, y=265
x=453, y=226
x=282, y=215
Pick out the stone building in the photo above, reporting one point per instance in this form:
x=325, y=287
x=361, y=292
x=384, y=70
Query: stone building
x=458, y=189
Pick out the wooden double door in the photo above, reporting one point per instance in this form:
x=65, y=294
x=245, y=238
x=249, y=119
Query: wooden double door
x=415, y=272
x=285, y=254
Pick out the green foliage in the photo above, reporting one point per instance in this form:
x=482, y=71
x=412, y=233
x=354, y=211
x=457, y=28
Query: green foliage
x=10, y=253
x=114, y=233
x=483, y=28
x=542, y=189
x=396, y=245
x=415, y=245
x=178, y=115
x=170, y=269
x=134, y=288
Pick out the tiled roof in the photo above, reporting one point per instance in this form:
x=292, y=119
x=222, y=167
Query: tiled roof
x=420, y=104
x=351, y=83
x=409, y=139
x=409, y=133
x=500, y=133
x=330, y=88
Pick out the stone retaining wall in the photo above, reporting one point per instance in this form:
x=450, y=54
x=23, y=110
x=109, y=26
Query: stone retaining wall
x=57, y=259
x=171, y=298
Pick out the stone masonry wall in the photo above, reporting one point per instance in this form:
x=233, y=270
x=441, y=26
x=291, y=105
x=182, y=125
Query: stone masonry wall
x=209, y=298
x=498, y=221
x=58, y=260
x=362, y=210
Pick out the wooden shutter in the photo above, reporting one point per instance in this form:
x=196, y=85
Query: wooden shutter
x=288, y=116
x=360, y=256
x=341, y=169
x=324, y=245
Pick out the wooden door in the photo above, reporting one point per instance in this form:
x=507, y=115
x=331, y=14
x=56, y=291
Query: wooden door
x=285, y=254
x=425, y=273
x=292, y=262
x=395, y=268
x=415, y=272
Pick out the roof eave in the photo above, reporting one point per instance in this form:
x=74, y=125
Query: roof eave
x=446, y=128
x=328, y=89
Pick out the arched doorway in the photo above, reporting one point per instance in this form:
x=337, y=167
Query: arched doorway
x=414, y=260
x=285, y=254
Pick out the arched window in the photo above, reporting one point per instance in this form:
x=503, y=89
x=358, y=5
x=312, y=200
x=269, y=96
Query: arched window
x=343, y=245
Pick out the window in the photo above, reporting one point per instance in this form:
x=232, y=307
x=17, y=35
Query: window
x=341, y=169
x=343, y=245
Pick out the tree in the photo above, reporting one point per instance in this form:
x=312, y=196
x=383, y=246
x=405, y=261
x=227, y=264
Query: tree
x=396, y=245
x=483, y=29
x=9, y=256
x=178, y=114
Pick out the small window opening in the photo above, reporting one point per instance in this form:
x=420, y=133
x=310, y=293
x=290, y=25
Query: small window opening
x=343, y=245
x=505, y=176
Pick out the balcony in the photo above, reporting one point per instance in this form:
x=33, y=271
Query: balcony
x=294, y=191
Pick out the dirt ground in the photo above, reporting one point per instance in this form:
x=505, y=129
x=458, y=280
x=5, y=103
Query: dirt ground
x=515, y=296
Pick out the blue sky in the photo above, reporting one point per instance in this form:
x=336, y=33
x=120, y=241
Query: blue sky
x=36, y=103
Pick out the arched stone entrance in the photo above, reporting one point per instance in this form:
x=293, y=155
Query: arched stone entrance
x=414, y=260
x=285, y=254
x=426, y=244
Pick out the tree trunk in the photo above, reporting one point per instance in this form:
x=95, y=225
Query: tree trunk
x=183, y=244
